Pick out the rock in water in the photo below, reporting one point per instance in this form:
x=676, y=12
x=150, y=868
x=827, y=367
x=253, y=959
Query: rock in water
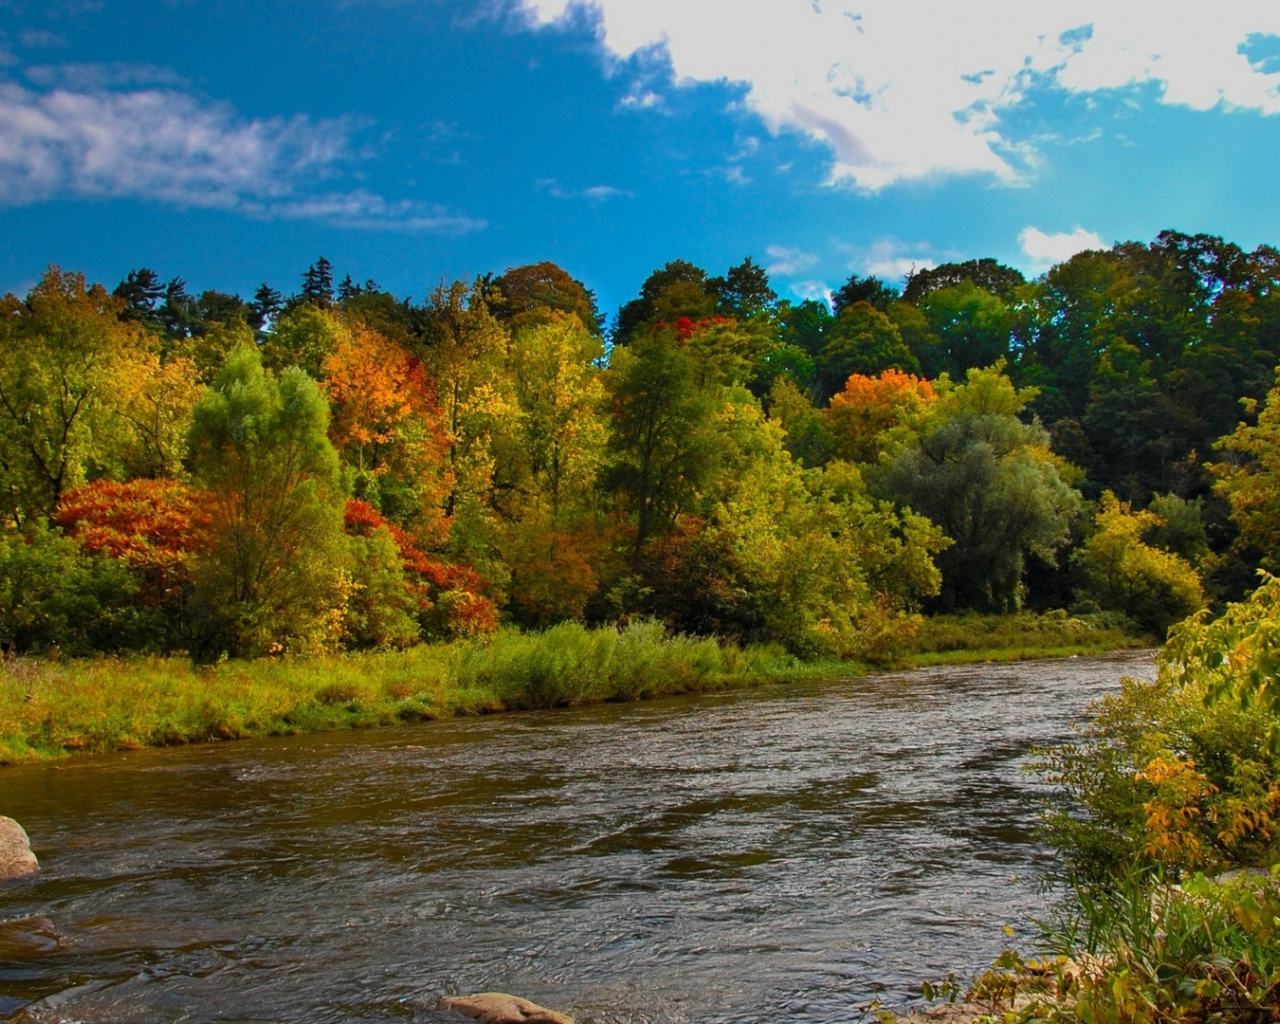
x=27, y=939
x=500, y=1008
x=16, y=858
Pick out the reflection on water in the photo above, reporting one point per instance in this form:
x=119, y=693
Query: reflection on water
x=786, y=853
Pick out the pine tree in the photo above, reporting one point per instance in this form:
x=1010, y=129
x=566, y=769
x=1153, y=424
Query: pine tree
x=317, y=284
x=265, y=307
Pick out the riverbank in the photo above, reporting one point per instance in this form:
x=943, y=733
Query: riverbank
x=52, y=709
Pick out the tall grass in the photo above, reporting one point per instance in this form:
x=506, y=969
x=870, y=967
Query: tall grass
x=1147, y=952
x=51, y=708
x=943, y=639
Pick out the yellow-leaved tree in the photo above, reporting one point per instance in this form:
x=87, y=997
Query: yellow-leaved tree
x=1123, y=573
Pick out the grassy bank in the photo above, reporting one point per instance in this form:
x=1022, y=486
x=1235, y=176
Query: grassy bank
x=960, y=639
x=51, y=709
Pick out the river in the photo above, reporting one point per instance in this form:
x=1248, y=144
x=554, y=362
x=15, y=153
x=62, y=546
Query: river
x=788, y=853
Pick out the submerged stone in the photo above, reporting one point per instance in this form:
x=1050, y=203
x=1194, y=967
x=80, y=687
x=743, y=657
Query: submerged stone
x=500, y=1008
x=27, y=939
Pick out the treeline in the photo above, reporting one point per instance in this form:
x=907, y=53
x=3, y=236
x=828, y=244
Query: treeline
x=345, y=469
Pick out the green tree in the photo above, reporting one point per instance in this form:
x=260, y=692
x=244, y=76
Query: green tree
x=863, y=289
x=58, y=354
x=274, y=578
x=662, y=450
x=986, y=273
x=974, y=326
x=744, y=291
x=532, y=293
x=678, y=289
x=863, y=341
x=989, y=481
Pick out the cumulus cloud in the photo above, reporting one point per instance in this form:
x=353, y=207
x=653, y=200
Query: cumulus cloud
x=80, y=138
x=890, y=259
x=907, y=89
x=1046, y=249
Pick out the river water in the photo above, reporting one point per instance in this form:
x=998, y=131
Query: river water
x=788, y=853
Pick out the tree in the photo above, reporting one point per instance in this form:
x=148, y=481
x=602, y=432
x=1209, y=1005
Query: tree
x=744, y=291
x=863, y=341
x=1132, y=426
x=266, y=306
x=1123, y=573
x=679, y=289
x=56, y=597
x=974, y=327
x=861, y=416
x=448, y=600
x=303, y=337
x=157, y=529
x=317, y=284
x=152, y=403
x=991, y=483
x=388, y=428
x=863, y=289
x=777, y=555
x=533, y=292
x=559, y=392
x=985, y=273
x=806, y=435
x=661, y=446
x=1249, y=478
x=465, y=347
x=273, y=579
x=58, y=349
x=141, y=291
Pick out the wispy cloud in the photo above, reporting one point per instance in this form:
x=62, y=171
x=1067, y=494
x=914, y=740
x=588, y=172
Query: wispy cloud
x=786, y=261
x=77, y=137
x=1044, y=249
x=885, y=87
x=593, y=193
x=94, y=77
x=40, y=39
x=367, y=211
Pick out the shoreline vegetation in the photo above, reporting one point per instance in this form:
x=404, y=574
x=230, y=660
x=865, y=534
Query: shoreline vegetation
x=1169, y=847
x=54, y=708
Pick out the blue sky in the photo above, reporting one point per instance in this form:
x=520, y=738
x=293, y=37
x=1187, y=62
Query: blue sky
x=232, y=142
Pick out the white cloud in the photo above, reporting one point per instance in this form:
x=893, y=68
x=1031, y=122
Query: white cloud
x=786, y=261
x=890, y=260
x=367, y=211
x=1045, y=249
x=164, y=145
x=599, y=192
x=907, y=89
x=812, y=290
x=594, y=193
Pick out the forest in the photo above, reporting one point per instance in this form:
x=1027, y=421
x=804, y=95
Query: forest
x=342, y=469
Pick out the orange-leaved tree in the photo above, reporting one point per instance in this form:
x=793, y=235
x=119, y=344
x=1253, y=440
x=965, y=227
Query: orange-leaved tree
x=861, y=414
x=157, y=528
x=388, y=428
